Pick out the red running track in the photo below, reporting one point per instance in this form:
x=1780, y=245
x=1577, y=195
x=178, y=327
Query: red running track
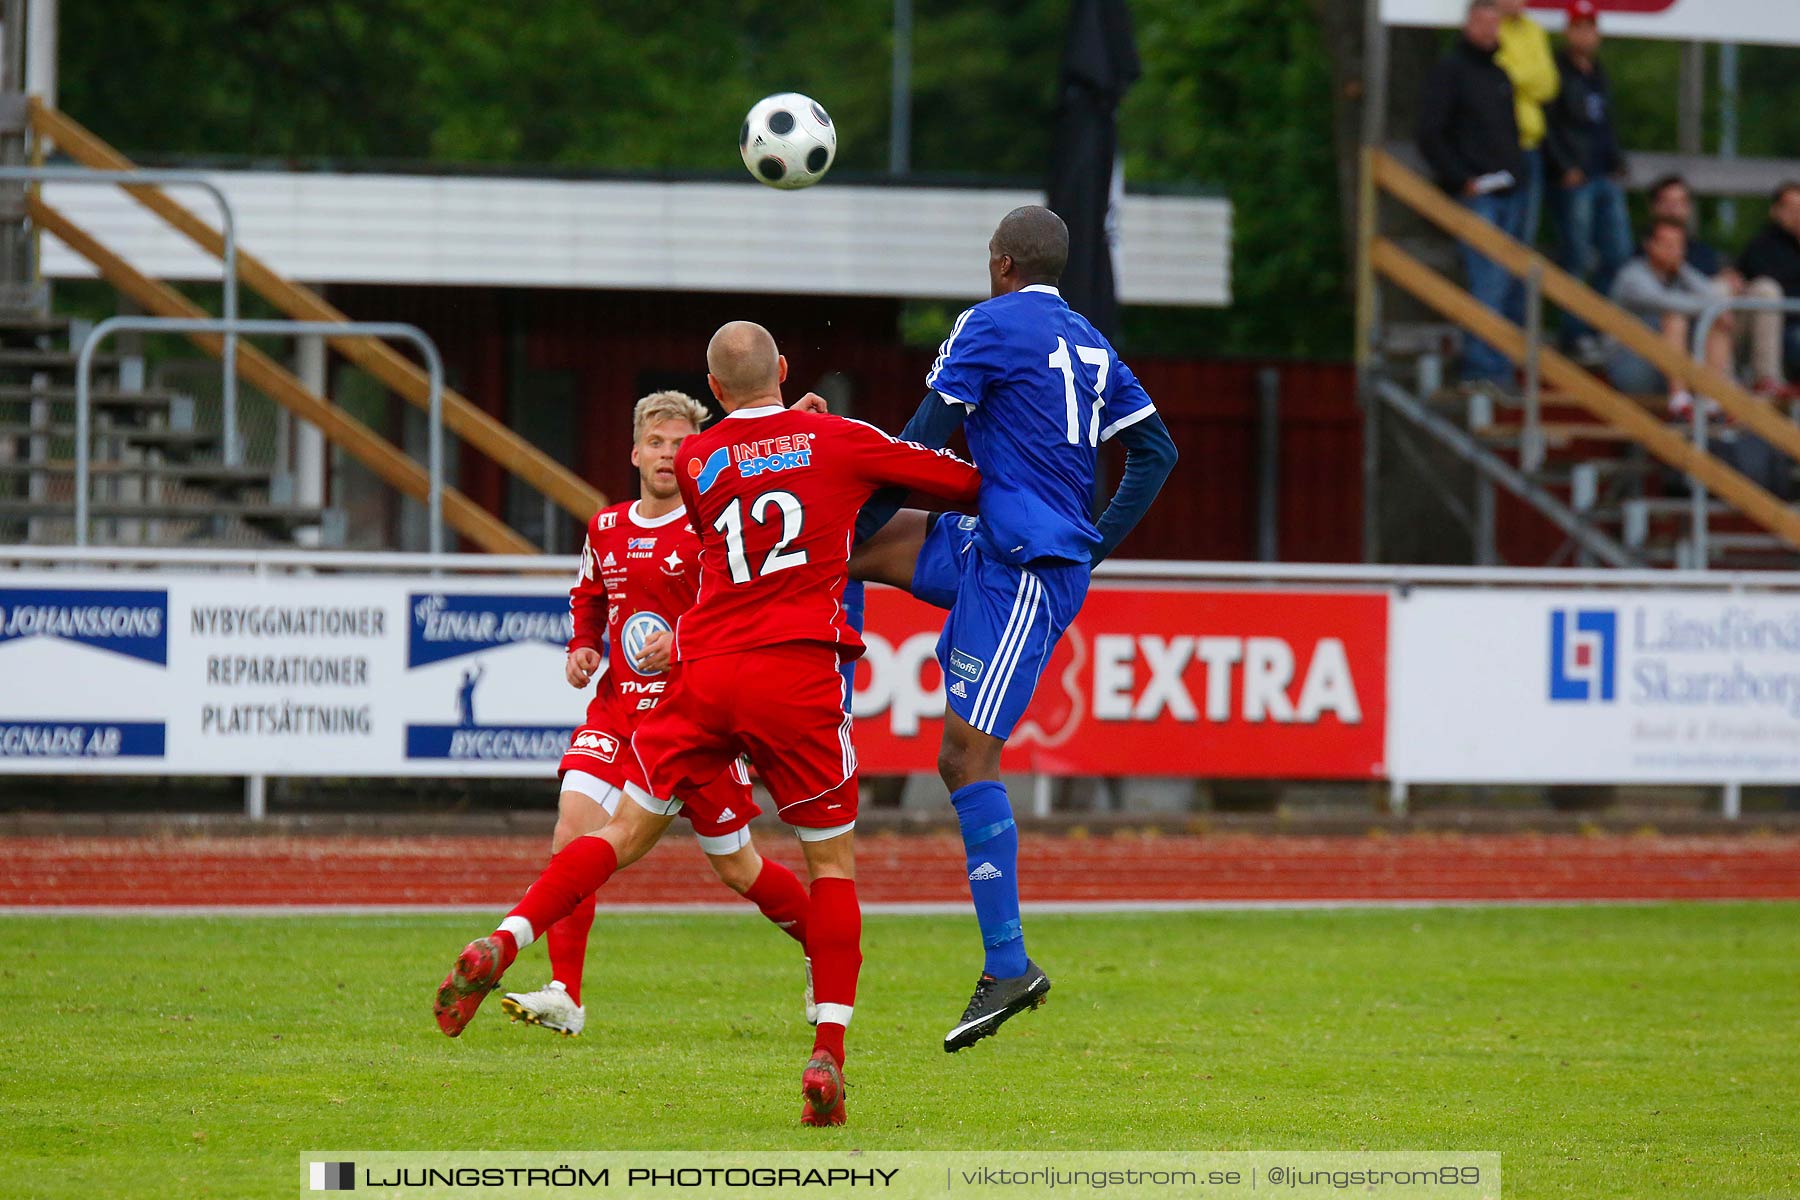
x=895, y=868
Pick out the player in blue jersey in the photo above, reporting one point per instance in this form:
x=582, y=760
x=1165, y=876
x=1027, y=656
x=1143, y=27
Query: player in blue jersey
x=1037, y=390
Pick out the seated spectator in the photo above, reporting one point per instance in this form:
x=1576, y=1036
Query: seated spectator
x=1667, y=294
x=1671, y=197
x=1586, y=167
x=1469, y=133
x=1771, y=262
x=1662, y=290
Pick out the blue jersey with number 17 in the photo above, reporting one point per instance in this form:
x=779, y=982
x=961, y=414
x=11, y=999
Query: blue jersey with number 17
x=1043, y=389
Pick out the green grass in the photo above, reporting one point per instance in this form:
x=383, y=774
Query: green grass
x=1605, y=1051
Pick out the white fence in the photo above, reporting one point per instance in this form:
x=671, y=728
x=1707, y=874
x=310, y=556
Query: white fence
x=157, y=663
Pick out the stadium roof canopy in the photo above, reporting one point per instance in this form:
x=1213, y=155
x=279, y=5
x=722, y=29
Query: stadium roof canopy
x=835, y=239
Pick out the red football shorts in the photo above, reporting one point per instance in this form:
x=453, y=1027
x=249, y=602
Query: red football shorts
x=781, y=705
x=725, y=800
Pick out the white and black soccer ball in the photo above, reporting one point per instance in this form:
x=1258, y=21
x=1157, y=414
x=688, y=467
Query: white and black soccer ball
x=788, y=140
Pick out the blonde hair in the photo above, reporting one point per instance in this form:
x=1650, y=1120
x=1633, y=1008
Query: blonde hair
x=658, y=407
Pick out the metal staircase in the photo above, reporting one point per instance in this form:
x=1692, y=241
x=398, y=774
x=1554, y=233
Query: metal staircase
x=1623, y=485
x=1613, y=502
x=159, y=478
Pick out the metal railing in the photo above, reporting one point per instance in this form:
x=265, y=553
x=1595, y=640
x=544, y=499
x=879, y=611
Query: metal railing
x=434, y=364
x=1145, y=571
x=228, y=280
x=1699, y=519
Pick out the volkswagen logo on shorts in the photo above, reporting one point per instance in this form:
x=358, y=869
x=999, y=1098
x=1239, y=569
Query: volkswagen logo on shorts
x=639, y=628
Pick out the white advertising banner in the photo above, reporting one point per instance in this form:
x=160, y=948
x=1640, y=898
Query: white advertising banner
x=1773, y=22
x=199, y=675
x=1594, y=687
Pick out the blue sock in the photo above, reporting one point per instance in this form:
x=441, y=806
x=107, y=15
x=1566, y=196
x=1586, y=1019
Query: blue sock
x=991, y=841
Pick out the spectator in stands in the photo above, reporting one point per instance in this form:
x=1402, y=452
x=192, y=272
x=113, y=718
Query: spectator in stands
x=1667, y=293
x=1671, y=197
x=1771, y=262
x=1587, y=195
x=1526, y=57
x=1661, y=289
x=1469, y=133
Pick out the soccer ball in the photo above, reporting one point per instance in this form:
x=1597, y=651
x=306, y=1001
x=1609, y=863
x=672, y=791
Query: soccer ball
x=788, y=140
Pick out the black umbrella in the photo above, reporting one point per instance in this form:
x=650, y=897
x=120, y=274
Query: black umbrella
x=1100, y=64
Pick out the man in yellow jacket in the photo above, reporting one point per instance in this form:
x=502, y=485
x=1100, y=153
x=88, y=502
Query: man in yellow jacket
x=1526, y=57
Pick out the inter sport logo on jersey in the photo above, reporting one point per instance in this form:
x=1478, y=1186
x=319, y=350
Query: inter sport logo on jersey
x=767, y=455
x=1584, y=655
x=773, y=454
x=707, y=473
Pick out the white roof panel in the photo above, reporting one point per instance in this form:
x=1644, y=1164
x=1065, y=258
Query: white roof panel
x=915, y=242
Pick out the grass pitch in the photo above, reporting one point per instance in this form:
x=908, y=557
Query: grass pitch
x=1605, y=1051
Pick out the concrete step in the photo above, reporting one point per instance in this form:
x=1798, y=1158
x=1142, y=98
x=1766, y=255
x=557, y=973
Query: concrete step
x=16, y=394
x=14, y=360
x=285, y=516
x=199, y=474
x=168, y=438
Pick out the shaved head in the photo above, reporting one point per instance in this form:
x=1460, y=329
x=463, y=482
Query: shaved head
x=743, y=361
x=1036, y=240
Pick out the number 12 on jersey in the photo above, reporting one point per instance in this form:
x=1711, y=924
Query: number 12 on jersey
x=1094, y=357
x=779, y=558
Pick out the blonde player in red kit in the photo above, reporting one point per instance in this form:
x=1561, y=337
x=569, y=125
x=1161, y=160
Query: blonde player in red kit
x=640, y=570
x=774, y=494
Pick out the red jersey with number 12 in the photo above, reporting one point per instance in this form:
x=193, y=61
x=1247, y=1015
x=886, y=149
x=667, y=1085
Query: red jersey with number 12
x=774, y=494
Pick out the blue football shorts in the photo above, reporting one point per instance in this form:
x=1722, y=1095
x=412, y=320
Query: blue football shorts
x=1004, y=621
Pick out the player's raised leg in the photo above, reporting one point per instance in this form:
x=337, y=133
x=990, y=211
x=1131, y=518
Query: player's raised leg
x=891, y=555
x=574, y=874
x=586, y=804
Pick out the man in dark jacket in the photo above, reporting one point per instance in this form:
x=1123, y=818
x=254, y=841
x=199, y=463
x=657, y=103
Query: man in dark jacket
x=1469, y=133
x=1587, y=198
x=1774, y=255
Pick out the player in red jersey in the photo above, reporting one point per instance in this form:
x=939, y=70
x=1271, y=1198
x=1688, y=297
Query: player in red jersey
x=774, y=495
x=640, y=570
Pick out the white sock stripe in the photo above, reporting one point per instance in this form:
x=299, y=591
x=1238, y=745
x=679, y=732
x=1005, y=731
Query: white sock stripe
x=521, y=930
x=987, y=706
x=993, y=668
x=835, y=1014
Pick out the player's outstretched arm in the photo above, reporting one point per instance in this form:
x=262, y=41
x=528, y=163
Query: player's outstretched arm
x=1150, y=456
x=932, y=426
x=883, y=459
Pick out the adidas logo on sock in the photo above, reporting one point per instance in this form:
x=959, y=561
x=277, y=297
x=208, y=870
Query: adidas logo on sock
x=957, y=689
x=986, y=870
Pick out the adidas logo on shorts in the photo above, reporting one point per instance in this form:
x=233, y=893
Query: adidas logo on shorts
x=957, y=689
x=986, y=870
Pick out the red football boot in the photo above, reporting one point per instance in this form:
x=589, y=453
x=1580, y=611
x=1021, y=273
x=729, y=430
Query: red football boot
x=476, y=973
x=822, y=1084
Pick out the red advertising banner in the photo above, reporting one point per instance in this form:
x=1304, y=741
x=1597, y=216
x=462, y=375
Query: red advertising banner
x=1157, y=682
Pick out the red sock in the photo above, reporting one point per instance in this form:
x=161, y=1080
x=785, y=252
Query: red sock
x=780, y=895
x=567, y=942
x=834, y=943
x=575, y=873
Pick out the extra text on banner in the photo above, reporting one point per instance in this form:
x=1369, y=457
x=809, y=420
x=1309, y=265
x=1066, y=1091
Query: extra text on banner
x=1180, y=682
